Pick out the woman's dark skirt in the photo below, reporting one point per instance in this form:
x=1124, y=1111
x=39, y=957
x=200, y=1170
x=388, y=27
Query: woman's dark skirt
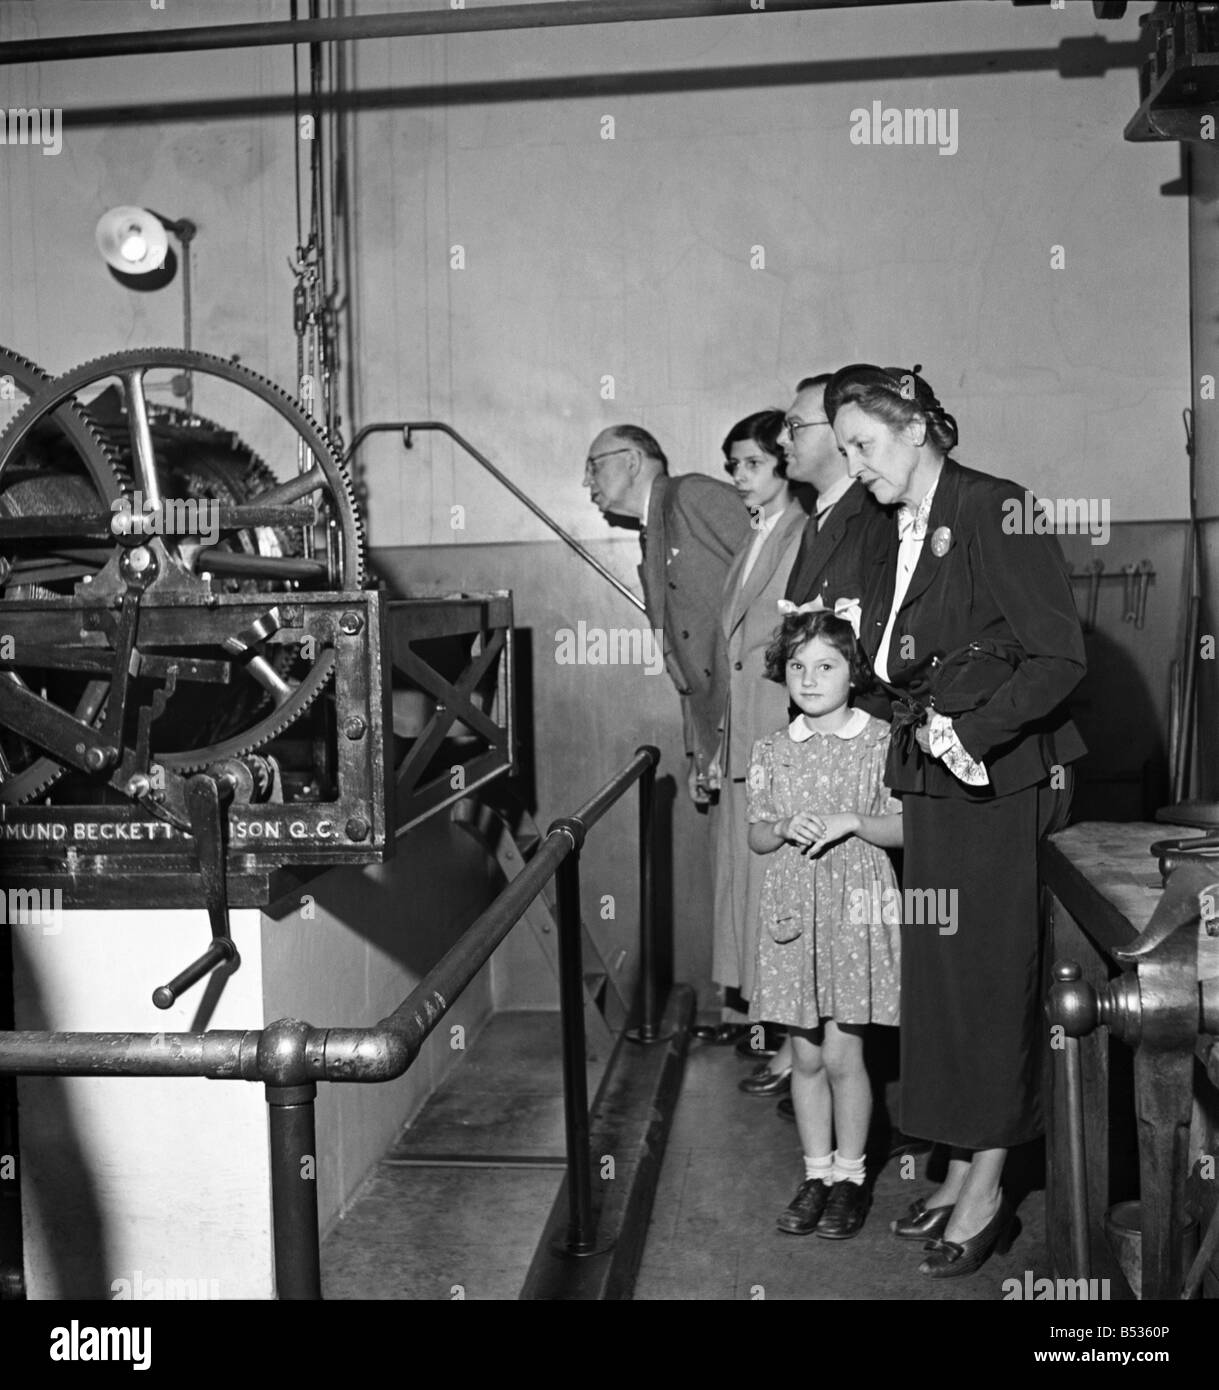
x=972, y=1029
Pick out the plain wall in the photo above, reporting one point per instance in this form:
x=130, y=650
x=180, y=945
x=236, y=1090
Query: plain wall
x=631, y=257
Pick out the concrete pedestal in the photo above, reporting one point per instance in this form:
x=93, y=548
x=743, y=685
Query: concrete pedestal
x=142, y=1187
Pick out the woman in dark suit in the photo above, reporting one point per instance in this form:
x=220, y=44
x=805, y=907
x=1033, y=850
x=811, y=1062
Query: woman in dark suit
x=978, y=789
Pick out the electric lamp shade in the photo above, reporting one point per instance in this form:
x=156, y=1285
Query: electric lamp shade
x=132, y=241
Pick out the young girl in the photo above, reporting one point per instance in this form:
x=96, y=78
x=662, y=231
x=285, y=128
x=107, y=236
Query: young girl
x=828, y=957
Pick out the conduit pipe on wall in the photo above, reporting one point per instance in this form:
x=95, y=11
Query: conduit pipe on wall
x=554, y=14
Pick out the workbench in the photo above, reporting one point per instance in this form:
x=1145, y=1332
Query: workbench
x=1103, y=885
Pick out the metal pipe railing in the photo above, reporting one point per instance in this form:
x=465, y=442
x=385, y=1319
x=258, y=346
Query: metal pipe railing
x=293, y=1141
x=405, y=428
x=649, y=983
x=442, y=21
x=580, y=1225
x=290, y=1056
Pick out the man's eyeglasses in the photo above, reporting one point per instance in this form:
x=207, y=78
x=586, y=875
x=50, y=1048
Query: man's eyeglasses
x=590, y=463
x=794, y=426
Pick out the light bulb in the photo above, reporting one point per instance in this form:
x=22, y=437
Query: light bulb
x=133, y=247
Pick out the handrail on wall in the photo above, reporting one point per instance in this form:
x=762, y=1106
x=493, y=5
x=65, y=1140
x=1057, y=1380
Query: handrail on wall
x=407, y=427
x=290, y=1056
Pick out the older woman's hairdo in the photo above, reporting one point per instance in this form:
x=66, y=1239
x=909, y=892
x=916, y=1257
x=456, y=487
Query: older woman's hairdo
x=763, y=429
x=896, y=395
x=798, y=628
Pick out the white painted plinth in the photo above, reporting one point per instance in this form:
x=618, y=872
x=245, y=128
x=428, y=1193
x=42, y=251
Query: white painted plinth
x=160, y=1182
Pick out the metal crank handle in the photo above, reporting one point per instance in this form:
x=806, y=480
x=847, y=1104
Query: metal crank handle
x=217, y=953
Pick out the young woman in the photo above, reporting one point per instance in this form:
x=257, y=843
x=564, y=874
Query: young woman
x=756, y=581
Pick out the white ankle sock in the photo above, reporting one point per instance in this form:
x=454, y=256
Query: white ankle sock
x=818, y=1167
x=848, y=1169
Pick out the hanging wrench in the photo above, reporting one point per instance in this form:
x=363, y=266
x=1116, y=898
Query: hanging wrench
x=1145, y=574
x=1130, y=592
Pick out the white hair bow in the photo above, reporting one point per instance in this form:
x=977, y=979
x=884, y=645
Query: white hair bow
x=851, y=609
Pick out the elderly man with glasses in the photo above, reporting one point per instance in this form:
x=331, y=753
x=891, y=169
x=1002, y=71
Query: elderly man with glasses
x=691, y=527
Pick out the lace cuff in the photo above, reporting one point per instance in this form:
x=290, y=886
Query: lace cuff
x=946, y=746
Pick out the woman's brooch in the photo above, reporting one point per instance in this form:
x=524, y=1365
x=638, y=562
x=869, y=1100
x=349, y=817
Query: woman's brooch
x=941, y=542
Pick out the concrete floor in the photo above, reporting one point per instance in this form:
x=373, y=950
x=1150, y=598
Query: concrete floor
x=447, y=1232
x=732, y=1164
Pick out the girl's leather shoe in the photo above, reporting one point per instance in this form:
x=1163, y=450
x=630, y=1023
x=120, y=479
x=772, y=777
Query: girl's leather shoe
x=921, y=1222
x=845, y=1212
x=764, y=1082
x=948, y=1259
x=802, y=1215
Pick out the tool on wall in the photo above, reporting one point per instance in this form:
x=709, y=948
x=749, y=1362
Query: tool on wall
x=1146, y=572
x=1128, y=601
x=1136, y=579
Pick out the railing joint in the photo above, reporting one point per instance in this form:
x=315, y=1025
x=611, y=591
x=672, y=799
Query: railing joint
x=283, y=1049
x=571, y=826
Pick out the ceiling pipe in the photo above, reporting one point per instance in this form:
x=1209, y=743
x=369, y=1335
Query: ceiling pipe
x=554, y=14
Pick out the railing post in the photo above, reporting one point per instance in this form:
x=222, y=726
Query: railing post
x=649, y=1021
x=580, y=1236
x=298, y=1273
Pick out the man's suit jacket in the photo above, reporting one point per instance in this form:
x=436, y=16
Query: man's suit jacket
x=695, y=525
x=839, y=561
x=990, y=583
x=756, y=706
x=848, y=558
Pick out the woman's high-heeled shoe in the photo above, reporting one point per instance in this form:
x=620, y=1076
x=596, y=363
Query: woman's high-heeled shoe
x=764, y=1082
x=948, y=1259
x=921, y=1222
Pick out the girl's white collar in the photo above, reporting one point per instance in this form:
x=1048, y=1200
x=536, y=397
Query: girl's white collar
x=799, y=732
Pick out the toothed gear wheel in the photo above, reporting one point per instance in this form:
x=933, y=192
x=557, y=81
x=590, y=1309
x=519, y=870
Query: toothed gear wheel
x=345, y=555
x=337, y=481
x=65, y=468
